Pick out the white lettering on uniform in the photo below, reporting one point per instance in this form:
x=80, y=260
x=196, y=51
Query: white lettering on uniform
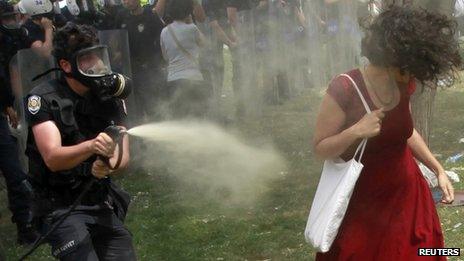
x=64, y=248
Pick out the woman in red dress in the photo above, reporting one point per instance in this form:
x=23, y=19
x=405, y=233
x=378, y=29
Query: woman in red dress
x=391, y=212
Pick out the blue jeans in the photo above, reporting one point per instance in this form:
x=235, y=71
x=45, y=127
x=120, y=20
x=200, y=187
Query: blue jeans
x=19, y=201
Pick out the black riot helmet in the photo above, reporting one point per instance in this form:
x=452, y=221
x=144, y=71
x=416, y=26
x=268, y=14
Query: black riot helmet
x=90, y=64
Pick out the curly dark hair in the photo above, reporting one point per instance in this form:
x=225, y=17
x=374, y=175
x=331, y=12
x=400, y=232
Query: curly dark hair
x=71, y=38
x=179, y=9
x=414, y=40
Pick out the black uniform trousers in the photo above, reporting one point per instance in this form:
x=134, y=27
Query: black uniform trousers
x=19, y=201
x=90, y=235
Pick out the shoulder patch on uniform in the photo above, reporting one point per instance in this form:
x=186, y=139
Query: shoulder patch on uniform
x=141, y=28
x=33, y=104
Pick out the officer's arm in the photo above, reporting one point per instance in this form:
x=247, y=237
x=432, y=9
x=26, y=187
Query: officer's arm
x=57, y=157
x=45, y=48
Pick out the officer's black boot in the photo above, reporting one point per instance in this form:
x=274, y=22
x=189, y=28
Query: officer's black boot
x=27, y=234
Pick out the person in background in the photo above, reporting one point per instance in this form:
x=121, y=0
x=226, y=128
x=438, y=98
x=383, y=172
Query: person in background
x=282, y=28
x=198, y=13
x=102, y=16
x=181, y=40
x=391, y=212
x=216, y=11
x=39, y=26
x=240, y=14
x=109, y=10
x=343, y=35
x=144, y=27
x=40, y=33
x=12, y=39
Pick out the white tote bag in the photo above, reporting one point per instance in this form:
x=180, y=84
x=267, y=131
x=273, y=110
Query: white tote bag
x=333, y=194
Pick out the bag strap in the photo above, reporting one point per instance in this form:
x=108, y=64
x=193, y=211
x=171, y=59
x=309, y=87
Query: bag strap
x=181, y=48
x=360, y=150
x=366, y=106
x=362, y=145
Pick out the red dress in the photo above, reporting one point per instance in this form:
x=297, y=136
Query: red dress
x=391, y=212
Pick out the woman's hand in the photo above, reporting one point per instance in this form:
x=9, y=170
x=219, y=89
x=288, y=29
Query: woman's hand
x=370, y=125
x=446, y=187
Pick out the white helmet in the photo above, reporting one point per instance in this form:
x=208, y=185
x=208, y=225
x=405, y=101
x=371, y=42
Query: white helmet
x=35, y=7
x=73, y=7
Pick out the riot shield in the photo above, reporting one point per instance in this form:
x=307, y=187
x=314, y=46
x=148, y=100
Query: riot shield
x=24, y=66
x=118, y=49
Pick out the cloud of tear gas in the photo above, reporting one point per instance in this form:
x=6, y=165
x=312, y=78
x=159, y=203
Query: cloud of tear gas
x=203, y=154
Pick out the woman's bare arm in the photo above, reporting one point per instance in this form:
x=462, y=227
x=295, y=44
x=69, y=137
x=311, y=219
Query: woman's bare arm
x=422, y=153
x=329, y=140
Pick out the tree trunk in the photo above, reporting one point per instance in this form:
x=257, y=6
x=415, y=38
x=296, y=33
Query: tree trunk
x=422, y=110
x=423, y=102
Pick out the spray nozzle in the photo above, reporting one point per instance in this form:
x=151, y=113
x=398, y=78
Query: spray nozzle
x=115, y=132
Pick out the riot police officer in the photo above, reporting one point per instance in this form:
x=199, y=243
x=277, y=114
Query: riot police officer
x=11, y=39
x=144, y=26
x=102, y=16
x=39, y=25
x=68, y=145
x=216, y=11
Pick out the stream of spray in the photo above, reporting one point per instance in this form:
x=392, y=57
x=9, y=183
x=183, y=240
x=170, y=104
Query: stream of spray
x=200, y=153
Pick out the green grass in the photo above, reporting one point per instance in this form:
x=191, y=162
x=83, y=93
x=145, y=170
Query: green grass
x=171, y=220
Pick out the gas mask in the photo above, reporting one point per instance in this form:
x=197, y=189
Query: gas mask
x=91, y=67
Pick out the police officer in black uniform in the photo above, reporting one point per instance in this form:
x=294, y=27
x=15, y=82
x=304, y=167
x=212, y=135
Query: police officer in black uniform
x=242, y=55
x=216, y=10
x=11, y=39
x=144, y=26
x=68, y=145
x=107, y=15
x=103, y=18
